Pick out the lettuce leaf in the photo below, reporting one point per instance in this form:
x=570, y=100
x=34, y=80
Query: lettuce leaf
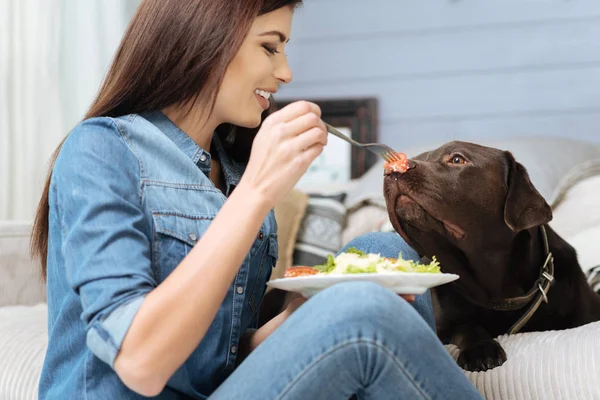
x=400, y=264
x=354, y=250
x=328, y=266
x=413, y=266
x=354, y=269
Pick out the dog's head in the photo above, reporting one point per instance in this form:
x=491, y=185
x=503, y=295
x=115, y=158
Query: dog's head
x=464, y=202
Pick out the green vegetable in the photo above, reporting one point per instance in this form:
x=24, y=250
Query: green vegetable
x=412, y=266
x=328, y=266
x=376, y=264
x=353, y=269
x=354, y=250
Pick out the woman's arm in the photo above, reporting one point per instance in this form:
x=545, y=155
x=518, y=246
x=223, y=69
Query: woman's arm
x=175, y=316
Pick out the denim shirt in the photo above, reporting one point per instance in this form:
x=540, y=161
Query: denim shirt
x=129, y=198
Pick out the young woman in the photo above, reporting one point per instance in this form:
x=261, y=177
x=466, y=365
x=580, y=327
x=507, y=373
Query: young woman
x=156, y=232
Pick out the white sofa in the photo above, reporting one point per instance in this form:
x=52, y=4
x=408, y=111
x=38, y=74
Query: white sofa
x=23, y=320
x=546, y=365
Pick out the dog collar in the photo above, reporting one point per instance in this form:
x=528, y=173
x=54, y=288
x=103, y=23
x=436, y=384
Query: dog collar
x=535, y=296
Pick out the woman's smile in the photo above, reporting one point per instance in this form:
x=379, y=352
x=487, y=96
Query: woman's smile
x=263, y=97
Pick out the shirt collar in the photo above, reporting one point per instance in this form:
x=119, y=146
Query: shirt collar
x=185, y=143
x=232, y=170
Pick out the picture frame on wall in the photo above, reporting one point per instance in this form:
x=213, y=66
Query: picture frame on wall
x=341, y=162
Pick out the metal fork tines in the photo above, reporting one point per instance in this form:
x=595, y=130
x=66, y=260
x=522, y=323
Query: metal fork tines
x=383, y=151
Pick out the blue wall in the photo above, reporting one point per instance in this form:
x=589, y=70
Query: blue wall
x=455, y=69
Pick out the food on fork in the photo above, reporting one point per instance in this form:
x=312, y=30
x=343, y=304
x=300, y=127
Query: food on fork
x=354, y=261
x=398, y=165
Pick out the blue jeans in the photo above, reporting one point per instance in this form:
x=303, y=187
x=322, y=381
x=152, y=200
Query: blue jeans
x=353, y=338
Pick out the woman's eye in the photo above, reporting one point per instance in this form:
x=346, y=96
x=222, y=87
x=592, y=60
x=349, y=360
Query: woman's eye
x=457, y=159
x=271, y=50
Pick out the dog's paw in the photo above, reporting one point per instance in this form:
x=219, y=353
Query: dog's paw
x=482, y=356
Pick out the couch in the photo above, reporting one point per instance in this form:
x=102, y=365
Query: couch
x=542, y=365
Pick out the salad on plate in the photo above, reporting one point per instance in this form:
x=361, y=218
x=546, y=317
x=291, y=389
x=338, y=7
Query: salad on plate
x=354, y=261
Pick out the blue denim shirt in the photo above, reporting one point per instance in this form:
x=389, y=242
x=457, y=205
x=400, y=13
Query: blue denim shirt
x=129, y=198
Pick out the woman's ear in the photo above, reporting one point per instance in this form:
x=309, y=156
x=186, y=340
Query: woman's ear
x=524, y=207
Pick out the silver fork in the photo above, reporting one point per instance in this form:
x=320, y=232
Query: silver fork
x=383, y=151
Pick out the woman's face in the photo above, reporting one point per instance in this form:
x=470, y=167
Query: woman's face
x=256, y=71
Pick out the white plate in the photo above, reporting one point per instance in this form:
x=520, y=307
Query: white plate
x=398, y=282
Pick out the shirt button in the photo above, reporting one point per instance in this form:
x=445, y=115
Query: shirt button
x=240, y=290
x=261, y=236
x=203, y=157
x=233, y=349
x=193, y=237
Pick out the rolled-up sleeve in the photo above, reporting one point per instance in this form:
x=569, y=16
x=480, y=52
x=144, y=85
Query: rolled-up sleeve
x=106, y=237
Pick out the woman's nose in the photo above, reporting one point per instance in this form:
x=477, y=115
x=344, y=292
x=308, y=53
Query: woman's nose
x=283, y=73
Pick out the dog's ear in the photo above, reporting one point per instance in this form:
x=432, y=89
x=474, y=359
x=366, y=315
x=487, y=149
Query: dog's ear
x=524, y=207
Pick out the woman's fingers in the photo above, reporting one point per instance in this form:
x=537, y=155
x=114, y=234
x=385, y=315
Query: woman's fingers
x=408, y=297
x=309, y=155
x=293, y=111
x=303, y=124
x=309, y=138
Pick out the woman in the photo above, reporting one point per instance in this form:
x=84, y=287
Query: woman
x=158, y=232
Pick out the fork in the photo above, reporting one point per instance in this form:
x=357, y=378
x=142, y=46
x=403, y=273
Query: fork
x=383, y=151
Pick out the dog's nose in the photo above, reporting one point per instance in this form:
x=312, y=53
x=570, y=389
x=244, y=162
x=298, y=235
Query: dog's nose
x=387, y=170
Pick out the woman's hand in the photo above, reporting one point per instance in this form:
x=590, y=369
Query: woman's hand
x=294, y=304
x=286, y=144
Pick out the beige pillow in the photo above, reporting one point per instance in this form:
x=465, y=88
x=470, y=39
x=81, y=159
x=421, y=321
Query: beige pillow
x=288, y=213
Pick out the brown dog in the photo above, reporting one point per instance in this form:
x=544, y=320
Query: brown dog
x=475, y=209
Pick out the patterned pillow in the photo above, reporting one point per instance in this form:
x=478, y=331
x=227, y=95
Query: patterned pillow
x=321, y=229
x=593, y=278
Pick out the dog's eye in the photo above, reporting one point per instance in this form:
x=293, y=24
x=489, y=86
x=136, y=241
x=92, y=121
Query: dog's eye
x=457, y=159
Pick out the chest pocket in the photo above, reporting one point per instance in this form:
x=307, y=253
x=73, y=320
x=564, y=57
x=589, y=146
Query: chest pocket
x=174, y=236
x=267, y=260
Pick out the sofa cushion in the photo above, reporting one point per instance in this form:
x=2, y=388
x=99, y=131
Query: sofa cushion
x=20, y=281
x=23, y=342
x=578, y=208
x=361, y=220
x=550, y=161
x=554, y=365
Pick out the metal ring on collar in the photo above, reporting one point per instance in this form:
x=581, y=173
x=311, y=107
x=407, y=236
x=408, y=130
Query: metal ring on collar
x=543, y=293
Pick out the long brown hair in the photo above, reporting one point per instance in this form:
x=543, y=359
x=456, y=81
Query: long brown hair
x=173, y=52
